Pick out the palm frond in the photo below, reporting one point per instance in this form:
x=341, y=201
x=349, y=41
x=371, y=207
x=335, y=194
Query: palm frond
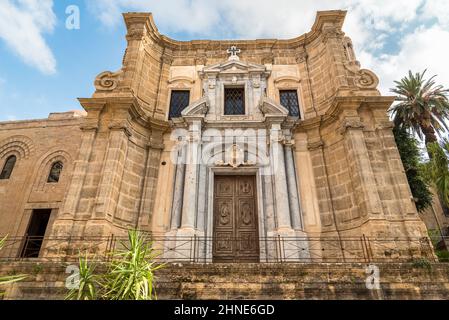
x=421, y=107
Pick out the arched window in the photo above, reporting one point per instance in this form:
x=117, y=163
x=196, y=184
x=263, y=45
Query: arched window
x=8, y=167
x=55, y=172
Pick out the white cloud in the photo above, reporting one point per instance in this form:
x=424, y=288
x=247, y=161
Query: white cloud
x=426, y=48
x=170, y=15
x=374, y=26
x=438, y=9
x=255, y=18
x=22, y=25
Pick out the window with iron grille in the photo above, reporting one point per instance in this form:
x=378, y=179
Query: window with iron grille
x=234, y=101
x=289, y=99
x=179, y=100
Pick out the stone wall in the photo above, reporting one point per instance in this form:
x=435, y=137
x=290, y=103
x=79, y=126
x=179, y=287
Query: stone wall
x=37, y=144
x=254, y=281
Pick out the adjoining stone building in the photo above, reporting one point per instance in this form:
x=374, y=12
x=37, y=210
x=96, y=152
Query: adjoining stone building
x=230, y=143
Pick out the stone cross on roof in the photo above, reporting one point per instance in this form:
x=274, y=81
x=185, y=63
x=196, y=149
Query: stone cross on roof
x=233, y=53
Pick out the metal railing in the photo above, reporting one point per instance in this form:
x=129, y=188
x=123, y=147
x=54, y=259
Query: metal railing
x=197, y=249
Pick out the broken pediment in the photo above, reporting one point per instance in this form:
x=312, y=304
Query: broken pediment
x=197, y=108
x=270, y=107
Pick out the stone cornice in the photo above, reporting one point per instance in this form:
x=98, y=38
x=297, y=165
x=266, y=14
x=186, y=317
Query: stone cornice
x=348, y=104
x=323, y=20
x=127, y=105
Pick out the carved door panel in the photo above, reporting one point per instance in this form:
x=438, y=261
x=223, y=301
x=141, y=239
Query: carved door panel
x=235, y=220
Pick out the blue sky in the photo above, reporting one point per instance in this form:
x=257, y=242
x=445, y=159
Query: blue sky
x=44, y=66
x=27, y=92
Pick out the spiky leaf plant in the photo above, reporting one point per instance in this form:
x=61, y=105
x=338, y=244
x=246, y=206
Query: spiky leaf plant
x=13, y=278
x=131, y=271
x=88, y=282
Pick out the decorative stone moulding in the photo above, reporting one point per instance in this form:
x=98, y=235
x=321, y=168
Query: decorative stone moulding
x=366, y=79
x=351, y=124
x=268, y=58
x=185, y=79
x=196, y=108
x=287, y=82
x=237, y=159
x=363, y=78
x=107, y=81
x=332, y=32
x=201, y=60
x=269, y=106
x=21, y=146
x=286, y=78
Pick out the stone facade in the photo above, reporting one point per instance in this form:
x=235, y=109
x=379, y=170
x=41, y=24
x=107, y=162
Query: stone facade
x=333, y=172
x=36, y=144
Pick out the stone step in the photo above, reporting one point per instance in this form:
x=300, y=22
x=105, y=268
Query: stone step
x=256, y=281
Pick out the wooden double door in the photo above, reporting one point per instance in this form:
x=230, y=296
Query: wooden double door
x=235, y=236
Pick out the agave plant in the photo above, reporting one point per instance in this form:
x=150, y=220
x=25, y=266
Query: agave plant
x=423, y=106
x=131, y=271
x=88, y=282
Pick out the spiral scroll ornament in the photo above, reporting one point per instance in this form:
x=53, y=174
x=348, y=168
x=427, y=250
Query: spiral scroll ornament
x=107, y=81
x=366, y=79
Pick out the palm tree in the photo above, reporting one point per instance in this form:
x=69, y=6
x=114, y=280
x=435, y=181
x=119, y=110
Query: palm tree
x=423, y=106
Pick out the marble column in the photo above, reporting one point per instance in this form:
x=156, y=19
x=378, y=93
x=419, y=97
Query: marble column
x=293, y=194
x=189, y=207
x=202, y=196
x=178, y=194
x=280, y=178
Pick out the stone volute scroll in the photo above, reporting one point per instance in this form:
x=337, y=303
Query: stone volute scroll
x=363, y=79
x=366, y=79
x=107, y=80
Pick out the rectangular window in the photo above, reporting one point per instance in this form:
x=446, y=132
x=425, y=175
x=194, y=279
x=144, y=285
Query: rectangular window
x=179, y=100
x=234, y=103
x=289, y=99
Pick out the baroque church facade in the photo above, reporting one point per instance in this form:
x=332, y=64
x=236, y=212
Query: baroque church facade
x=238, y=145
